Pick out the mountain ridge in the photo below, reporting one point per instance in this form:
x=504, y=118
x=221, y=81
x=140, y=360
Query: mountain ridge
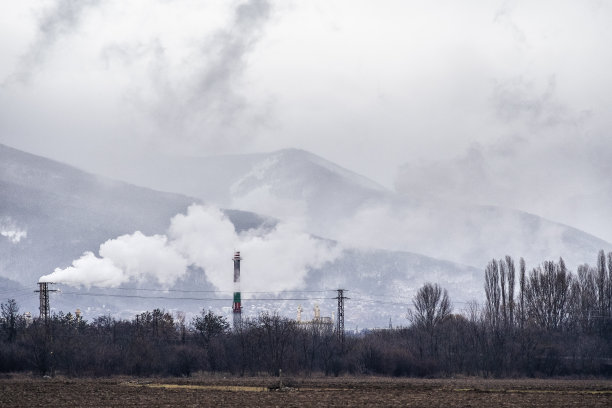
x=333, y=202
x=64, y=211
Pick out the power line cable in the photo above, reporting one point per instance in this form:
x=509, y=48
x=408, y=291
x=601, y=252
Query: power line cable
x=209, y=291
x=188, y=298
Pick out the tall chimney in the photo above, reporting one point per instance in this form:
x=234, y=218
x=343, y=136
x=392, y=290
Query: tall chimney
x=237, y=307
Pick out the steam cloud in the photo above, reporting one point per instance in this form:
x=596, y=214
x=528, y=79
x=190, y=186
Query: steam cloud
x=203, y=237
x=11, y=231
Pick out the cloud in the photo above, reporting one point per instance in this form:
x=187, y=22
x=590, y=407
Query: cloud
x=10, y=230
x=13, y=235
x=369, y=87
x=158, y=77
x=519, y=100
x=503, y=16
x=274, y=260
x=61, y=19
x=545, y=155
x=465, y=234
x=200, y=103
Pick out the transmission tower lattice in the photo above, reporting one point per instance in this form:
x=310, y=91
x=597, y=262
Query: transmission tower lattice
x=340, y=320
x=43, y=290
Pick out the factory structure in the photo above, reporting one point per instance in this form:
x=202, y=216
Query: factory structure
x=318, y=322
x=237, y=304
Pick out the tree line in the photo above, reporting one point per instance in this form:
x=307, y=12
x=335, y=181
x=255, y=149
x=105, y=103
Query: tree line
x=547, y=321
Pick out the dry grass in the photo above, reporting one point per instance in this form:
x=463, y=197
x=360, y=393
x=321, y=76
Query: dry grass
x=235, y=388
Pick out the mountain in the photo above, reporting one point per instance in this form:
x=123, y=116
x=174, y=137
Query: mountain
x=338, y=204
x=291, y=173
x=51, y=213
x=61, y=211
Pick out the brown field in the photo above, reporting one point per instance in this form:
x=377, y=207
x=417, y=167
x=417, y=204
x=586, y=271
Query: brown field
x=25, y=391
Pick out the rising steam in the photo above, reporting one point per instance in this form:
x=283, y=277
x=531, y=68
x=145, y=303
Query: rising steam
x=11, y=231
x=204, y=237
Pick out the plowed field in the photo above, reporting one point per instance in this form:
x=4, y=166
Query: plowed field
x=25, y=391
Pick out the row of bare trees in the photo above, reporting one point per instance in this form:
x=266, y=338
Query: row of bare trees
x=548, y=321
x=543, y=322
x=158, y=343
x=550, y=297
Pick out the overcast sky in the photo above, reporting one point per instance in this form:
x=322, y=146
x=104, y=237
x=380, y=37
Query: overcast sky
x=503, y=102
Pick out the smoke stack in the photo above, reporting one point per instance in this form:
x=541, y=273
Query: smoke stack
x=237, y=306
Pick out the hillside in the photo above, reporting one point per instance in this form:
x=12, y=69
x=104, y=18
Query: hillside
x=51, y=213
x=63, y=211
x=338, y=204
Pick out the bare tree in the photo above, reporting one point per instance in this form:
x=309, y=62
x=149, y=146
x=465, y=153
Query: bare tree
x=502, y=284
x=609, y=287
x=210, y=325
x=492, y=292
x=522, y=293
x=9, y=313
x=601, y=282
x=431, y=306
x=584, y=297
x=277, y=335
x=548, y=295
x=511, y=273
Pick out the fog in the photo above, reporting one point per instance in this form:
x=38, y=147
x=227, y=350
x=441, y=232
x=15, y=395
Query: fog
x=500, y=102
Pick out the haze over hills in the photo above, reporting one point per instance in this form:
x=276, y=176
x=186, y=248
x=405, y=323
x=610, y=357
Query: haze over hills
x=65, y=211
x=53, y=213
x=225, y=179
x=336, y=203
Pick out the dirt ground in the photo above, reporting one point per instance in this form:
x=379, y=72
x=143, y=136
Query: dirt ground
x=30, y=391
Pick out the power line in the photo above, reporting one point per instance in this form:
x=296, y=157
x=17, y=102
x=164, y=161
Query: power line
x=24, y=290
x=364, y=298
x=188, y=298
x=381, y=302
x=210, y=291
x=398, y=303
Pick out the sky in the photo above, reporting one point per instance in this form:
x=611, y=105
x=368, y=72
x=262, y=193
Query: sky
x=493, y=102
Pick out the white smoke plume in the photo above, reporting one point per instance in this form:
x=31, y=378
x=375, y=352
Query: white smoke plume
x=10, y=230
x=204, y=237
